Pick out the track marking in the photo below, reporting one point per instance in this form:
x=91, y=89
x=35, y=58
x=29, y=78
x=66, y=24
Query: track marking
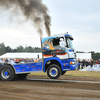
x=58, y=80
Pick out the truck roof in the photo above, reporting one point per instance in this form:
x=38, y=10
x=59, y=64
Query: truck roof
x=59, y=35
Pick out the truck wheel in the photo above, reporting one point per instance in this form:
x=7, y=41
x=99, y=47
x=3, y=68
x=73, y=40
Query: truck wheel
x=6, y=73
x=54, y=71
x=63, y=73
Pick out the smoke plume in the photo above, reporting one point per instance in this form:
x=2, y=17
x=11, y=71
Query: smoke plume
x=33, y=10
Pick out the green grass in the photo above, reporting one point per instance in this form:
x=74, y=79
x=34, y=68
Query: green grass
x=83, y=73
x=74, y=73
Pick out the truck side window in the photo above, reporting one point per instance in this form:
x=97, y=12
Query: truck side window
x=55, y=42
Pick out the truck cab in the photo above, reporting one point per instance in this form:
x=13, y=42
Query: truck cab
x=58, y=50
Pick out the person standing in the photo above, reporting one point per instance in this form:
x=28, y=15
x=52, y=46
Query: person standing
x=36, y=60
x=99, y=61
x=91, y=63
x=96, y=61
x=83, y=63
x=87, y=63
x=6, y=60
x=79, y=63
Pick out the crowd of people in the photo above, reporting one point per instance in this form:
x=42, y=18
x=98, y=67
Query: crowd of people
x=87, y=63
x=82, y=63
x=25, y=60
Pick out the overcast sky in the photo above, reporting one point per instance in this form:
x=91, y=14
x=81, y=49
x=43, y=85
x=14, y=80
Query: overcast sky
x=81, y=18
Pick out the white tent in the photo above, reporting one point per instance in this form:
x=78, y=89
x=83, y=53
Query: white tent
x=85, y=56
x=35, y=55
x=21, y=55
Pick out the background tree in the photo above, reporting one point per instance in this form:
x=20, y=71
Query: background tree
x=2, y=48
x=79, y=52
x=20, y=49
x=8, y=49
x=36, y=49
x=30, y=49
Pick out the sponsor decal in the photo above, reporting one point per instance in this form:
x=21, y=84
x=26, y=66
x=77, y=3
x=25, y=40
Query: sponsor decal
x=17, y=67
x=33, y=69
x=27, y=67
x=33, y=66
x=18, y=70
x=38, y=63
x=39, y=68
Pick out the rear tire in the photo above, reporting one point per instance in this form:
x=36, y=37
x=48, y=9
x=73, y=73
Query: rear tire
x=7, y=73
x=54, y=71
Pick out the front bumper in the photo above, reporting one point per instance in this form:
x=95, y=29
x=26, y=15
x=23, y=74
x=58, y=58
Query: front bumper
x=73, y=67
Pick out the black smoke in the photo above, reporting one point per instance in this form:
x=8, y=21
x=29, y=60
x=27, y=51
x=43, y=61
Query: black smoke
x=33, y=10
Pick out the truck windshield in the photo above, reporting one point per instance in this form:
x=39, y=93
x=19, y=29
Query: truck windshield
x=69, y=43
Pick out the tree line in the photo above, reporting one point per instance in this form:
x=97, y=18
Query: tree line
x=4, y=49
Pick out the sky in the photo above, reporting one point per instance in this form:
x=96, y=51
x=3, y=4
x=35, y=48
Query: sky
x=80, y=18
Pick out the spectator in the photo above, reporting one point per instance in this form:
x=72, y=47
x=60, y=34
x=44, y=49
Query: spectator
x=36, y=60
x=91, y=62
x=86, y=63
x=79, y=63
x=99, y=61
x=96, y=61
x=16, y=60
x=83, y=63
x=32, y=60
x=6, y=60
x=28, y=60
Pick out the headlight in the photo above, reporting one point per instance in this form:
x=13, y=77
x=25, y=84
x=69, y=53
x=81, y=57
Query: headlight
x=71, y=63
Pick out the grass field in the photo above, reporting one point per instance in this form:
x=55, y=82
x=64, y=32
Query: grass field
x=75, y=73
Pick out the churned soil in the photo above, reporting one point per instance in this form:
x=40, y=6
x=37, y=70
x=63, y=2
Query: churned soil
x=50, y=90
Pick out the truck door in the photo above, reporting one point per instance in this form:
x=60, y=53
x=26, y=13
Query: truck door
x=51, y=48
x=69, y=47
x=60, y=47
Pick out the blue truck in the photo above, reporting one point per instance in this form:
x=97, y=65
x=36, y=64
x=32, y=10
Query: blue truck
x=58, y=56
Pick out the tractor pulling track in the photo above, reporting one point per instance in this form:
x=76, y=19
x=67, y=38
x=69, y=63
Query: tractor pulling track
x=34, y=88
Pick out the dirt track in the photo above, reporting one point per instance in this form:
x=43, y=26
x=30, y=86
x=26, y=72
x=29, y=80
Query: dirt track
x=45, y=90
